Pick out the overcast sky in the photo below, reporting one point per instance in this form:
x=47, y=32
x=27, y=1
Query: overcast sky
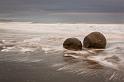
x=63, y=10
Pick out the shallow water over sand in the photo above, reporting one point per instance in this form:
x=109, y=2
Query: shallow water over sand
x=36, y=43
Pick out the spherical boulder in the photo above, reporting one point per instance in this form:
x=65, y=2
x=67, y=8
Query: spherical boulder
x=72, y=44
x=95, y=40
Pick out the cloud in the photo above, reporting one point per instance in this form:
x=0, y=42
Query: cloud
x=63, y=5
x=72, y=11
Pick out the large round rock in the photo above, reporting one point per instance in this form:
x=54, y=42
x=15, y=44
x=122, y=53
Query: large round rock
x=72, y=44
x=95, y=40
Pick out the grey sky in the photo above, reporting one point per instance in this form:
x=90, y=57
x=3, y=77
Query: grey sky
x=64, y=5
x=63, y=10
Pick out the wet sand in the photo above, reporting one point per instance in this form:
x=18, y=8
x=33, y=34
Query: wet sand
x=54, y=67
x=40, y=72
x=43, y=72
x=33, y=72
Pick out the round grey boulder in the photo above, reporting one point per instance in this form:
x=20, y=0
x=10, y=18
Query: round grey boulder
x=95, y=40
x=72, y=44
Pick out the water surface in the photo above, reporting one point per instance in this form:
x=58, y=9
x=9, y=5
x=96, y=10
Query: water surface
x=33, y=52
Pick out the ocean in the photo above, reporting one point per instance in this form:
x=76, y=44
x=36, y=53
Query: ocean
x=33, y=52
